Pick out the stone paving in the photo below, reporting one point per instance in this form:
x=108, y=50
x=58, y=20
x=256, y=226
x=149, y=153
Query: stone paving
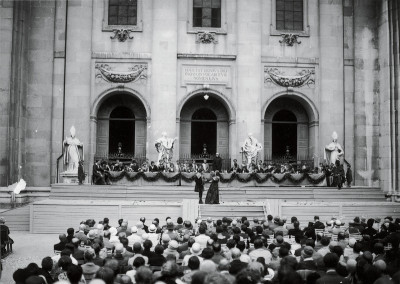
x=26, y=249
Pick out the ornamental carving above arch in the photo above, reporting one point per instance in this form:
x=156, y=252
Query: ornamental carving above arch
x=275, y=76
x=135, y=73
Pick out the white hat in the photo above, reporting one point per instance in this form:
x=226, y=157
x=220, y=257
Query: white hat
x=195, y=249
x=152, y=228
x=134, y=229
x=113, y=231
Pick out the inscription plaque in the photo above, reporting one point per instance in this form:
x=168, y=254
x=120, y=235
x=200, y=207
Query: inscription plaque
x=219, y=75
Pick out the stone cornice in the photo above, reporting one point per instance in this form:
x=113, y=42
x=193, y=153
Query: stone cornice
x=206, y=56
x=120, y=55
x=292, y=60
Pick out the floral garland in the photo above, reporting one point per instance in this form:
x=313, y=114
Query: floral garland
x=224, y=178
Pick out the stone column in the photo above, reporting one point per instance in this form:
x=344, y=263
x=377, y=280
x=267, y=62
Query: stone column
x=39, y=94
x=249, y=84
x=331, y=108
x=57, y=134
x=6, y=50
x=163, y=78
x=78, y=72
x=367, y=87
x=348, y=81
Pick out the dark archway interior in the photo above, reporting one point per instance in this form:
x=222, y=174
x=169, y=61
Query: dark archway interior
x=122, y=130
x=204, y=131
x=284, y=134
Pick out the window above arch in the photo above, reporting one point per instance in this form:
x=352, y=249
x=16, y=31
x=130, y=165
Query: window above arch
x=123, y=14
x=289, y=16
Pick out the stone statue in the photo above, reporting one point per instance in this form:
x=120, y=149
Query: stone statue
x=250, y=148
x=72, y=155
x=333, y=151
x=165, y=147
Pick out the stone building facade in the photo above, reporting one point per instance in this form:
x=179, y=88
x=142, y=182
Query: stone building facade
x=204, y=72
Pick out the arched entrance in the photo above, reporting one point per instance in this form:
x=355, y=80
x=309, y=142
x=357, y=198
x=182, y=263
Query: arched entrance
x=204, y=120
x=284, y=134
x=287, y=126
x=121, y=121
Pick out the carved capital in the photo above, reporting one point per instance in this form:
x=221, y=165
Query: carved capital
x=206, y=37
x=289, y=39
x=122, y=34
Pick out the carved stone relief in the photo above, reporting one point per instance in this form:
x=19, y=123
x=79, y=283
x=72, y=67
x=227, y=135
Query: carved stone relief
x=206, y=37
x=109, y=74
x=303, y=78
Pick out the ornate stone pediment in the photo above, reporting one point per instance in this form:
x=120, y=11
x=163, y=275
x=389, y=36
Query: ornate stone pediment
x=206, y=37
x=136, y=72
x=278, y=77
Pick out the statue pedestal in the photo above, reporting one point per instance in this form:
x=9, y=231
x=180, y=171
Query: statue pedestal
x=69, y=177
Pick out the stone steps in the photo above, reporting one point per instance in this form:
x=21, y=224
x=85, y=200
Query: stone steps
x=233, y=210
x=17, y=219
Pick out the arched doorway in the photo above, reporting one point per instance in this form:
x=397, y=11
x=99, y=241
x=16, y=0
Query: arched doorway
x=284, y=134
x=122, y=130
x=121, y=119
x=204, y=119
x=287, y=124
x=204, y=131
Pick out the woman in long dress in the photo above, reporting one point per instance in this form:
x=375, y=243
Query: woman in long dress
x=213, y=192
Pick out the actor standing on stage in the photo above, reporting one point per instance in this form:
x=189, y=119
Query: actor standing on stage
x=199, y=187
x=213, y=192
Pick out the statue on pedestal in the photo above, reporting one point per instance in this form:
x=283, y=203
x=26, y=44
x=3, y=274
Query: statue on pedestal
x=333, y=151
x=72, y=155
x=250, y=148
x=165, y=147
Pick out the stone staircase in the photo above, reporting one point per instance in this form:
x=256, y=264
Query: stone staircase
x=17, y=219
x=233, y=210
x=242, y=194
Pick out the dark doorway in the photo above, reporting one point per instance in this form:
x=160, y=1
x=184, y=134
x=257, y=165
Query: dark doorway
x=204, y=131
x=122, y=130
x=284, y=134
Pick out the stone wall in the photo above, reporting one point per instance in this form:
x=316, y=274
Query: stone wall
x=344, y=44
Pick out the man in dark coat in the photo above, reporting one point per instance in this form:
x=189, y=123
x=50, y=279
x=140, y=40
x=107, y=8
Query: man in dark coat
x=217, y=163
x=331, y=260
x=81, y=172
x=349, y=175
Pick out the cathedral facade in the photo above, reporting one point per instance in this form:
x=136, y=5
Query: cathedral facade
x=207, y=72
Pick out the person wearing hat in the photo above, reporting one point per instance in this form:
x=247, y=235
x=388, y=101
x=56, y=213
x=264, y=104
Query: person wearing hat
x=153, y=236
x=172, y=249
x=134, y=237
x=81, y=233
x=199, y=185
x=187, y=228
x=145, y=227
x=171, y=232
x=195, y=250
x=307, y=262
x=165, y=239
x=89, y=269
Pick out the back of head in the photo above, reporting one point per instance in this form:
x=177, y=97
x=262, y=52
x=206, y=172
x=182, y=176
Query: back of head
x=74, y=273
x=106, y=274
x=208, y=266
x=194, y=263
x=64, y=262
x=34, y=280
x=258, y=244
x=47, y=263
x=216, y=278
x=331, y=260
x=143, y=275
x=138, y=262
x=198, y=277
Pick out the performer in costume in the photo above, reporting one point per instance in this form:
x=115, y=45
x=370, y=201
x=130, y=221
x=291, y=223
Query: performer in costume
x=213, y=191
x=199, y=186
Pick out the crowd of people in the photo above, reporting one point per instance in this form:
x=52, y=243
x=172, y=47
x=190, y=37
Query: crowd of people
x=228, y=250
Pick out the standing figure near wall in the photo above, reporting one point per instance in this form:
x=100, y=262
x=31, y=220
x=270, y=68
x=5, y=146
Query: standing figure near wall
x=165, y=147
x=333, y=151
x=72, y=155
x=250, y=148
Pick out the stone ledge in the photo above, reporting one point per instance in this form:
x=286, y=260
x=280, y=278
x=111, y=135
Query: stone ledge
x=206, y=56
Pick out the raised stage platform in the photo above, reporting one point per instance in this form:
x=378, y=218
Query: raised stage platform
x=68, y=204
